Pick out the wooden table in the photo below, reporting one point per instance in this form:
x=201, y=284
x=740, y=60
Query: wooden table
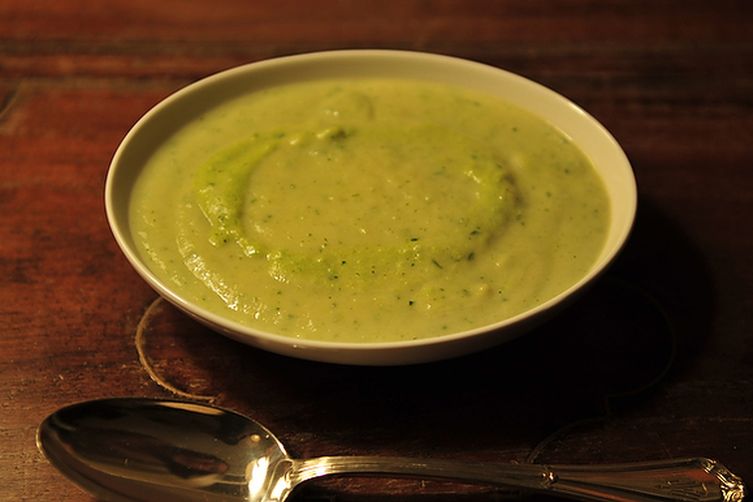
x=656, y=361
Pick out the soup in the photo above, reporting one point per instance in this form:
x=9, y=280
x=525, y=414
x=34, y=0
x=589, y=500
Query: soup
x=368, y=210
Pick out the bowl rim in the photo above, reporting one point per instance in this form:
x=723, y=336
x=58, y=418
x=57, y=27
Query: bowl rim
x=348, y=352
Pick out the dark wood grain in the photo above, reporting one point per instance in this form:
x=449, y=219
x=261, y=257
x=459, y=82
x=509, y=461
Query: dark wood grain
x=655, y=361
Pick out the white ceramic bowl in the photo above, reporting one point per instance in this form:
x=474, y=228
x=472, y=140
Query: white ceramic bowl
x=156, y=125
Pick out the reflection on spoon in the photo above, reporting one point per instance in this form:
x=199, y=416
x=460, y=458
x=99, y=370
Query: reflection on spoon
x=153, y=450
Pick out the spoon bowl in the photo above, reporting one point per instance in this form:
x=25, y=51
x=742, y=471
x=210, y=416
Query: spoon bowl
x=138, y=449
x=132, y=449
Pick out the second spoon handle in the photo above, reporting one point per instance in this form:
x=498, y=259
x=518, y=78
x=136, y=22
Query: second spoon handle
x=680, y=480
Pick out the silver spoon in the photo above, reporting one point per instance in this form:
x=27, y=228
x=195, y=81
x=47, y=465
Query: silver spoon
x=163, y=450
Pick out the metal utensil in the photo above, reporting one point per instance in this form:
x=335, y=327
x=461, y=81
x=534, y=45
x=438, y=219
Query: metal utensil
x=145, y=450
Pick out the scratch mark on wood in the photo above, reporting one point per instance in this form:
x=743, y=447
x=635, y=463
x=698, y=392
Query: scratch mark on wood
x=140, y=341
x=6, y=103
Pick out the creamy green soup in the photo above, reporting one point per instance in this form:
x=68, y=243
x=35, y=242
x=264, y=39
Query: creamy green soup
x=368, y=210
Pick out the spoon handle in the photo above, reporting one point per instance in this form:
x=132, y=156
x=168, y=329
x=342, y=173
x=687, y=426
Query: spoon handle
x=681, y=480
